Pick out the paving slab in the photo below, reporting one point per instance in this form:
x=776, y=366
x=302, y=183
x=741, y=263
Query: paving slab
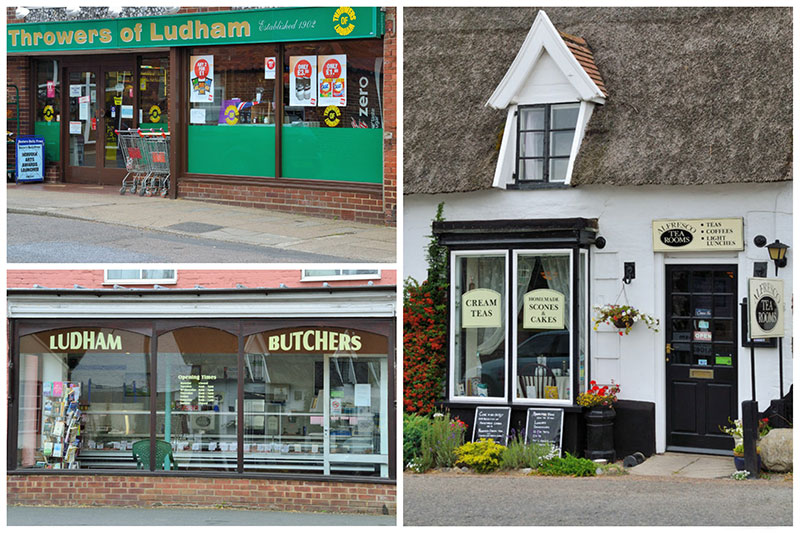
x=685, y=465
x=352, y=241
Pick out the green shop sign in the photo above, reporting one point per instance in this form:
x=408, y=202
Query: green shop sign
x=224, y=27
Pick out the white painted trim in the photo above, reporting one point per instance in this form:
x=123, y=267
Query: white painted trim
x=306, y=304
x=451, y=359
x=140, y=281
x=567, y=322
x=584, y=114
x=507, y=157
x=339, y=277
x=543, y=36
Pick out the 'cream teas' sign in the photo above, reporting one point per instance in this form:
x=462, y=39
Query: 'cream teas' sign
x=543, y=309
x=765, y=307
x=701, y=235
x=480, y=308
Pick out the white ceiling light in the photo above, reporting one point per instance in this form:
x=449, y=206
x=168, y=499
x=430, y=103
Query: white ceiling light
x=173, y=10
x=22, y=12
x=72, y=10
x=115, y=11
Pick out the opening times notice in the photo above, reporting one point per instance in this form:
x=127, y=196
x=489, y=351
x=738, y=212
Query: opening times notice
x=196, y=387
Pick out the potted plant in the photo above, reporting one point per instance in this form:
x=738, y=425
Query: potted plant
x=622, y=317
x=735, y=431
x=599, y=416
x=738, y=457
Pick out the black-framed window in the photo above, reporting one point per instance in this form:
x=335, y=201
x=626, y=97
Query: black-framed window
x=545, y=135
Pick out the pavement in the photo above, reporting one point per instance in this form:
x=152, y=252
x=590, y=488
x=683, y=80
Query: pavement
x=351, y=241
x=670, y=489
x=131, y=516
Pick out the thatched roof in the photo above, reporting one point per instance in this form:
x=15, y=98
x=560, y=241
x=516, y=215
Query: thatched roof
x=695, y=95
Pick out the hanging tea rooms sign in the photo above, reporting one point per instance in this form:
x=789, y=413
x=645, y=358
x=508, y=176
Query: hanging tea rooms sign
x=480, y=308
x=700, y=235
x=765, y=307
x=543, y=309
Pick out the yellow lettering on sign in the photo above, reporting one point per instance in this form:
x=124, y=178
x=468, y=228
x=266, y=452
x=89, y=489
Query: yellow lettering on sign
x=64, y=37
x=49, y=38
x=217, y=31
x=154, y=36
x=185, y=31
x=13, y=34
x=239, y=29
x=80, y=37
x=126, y=34
x=105, y=35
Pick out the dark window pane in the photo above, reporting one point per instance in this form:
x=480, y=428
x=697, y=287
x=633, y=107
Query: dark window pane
x=723, y=307
x=723, y=330
x=680, y=281
x=723, y=281
x=702, y=306
x=701, y=281
x=564, y=116
x=680, y=305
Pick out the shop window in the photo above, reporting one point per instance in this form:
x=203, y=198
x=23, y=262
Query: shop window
x=140, y=276
x=478, y=335
x=197, y=398
x=545, y=137
x=333, y=102
x=154, y=93
x=48, y=107
x=231, y=99
x=301, y=384
x=84, y=398
x=543, y=352
x=339, y=274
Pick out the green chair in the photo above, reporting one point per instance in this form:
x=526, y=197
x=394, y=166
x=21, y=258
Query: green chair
x=141, y=453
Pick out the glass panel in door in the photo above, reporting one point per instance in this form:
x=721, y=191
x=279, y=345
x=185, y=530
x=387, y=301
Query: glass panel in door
x=82, y=128
x=118, y=106
x=154, y=93
x=358, y=415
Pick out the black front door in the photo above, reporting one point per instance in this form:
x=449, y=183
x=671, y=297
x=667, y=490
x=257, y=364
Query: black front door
x=701, y=355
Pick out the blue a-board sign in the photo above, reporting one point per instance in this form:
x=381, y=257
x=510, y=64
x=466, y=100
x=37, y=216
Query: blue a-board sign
x=30, y=159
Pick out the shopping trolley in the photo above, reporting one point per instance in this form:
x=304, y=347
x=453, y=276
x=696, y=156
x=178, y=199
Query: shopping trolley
x=157, y=157
x=134, y=151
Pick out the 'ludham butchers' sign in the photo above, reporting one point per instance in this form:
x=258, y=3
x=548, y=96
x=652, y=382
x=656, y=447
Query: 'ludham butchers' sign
x=765, y=306
x=701, y=235
x=480, y=308
x=543, y=309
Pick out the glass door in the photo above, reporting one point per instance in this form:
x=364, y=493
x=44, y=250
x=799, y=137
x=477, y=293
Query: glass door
x=81, y=127
x=101, y=99
x=356, y=417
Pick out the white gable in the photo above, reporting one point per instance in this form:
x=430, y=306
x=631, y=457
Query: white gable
x=543, y=43
x=546, y=84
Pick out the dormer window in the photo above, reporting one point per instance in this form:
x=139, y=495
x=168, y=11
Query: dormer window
x=545, y=136
x=549, y=92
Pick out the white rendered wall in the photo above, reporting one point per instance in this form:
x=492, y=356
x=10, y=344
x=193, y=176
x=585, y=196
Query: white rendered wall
x=625, y=217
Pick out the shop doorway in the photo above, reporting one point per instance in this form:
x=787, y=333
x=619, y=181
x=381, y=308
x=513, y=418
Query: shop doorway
x=701, y=355
x=102, y=96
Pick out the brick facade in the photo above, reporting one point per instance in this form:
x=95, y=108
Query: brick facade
x=375, y=206
x=150, y=491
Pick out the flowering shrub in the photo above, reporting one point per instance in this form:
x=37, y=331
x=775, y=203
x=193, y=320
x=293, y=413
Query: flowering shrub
x=482, y=456
x=425, y=332
x=596, y=396
x=623, y=317
x=735, y=429
x=440, y=441
x=414, y=427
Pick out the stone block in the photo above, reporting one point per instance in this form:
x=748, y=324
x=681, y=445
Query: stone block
x=776, y=450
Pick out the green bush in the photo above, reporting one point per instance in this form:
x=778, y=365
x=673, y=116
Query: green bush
x=414, y=427
x=568, y=465
x=520, y=455
x=440, y=441
x=482, y=456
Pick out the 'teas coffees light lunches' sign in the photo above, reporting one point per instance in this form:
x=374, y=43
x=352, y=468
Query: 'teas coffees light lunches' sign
x=480, y=308
x=765, y=307
x=698, y=235
x=543, y=309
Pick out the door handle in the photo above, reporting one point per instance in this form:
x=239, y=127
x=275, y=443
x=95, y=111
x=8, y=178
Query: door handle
x=668, y=349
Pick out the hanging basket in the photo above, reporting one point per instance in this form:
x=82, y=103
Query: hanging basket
x=624, y=322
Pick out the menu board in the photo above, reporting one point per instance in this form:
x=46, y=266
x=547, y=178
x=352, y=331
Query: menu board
x=196, y=387
x=545, y=425
x=491, y=423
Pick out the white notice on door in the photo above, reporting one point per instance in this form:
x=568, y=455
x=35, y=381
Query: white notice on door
x=363, y=394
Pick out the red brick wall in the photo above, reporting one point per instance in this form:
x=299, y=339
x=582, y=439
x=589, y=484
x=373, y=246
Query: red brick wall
x=390, y=117
x=212, y=279
x=147, y=491
x=356, y=206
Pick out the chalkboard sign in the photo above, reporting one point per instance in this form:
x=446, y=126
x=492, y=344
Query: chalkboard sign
x=492, y=423
x=545, y=425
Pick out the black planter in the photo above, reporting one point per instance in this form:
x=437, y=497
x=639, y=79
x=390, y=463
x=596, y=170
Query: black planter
x=600, y=433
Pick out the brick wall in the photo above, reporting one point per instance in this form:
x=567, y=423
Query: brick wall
x=18, y=73
x=390, y=117
x=212, y=279
x=149, y=491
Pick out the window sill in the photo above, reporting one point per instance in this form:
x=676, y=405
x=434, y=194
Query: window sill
x=527, y=185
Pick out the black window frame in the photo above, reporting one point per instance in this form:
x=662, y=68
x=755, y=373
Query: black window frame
x=546, y=157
